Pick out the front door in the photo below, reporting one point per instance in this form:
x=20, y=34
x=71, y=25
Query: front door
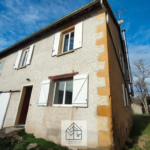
x=25, y=105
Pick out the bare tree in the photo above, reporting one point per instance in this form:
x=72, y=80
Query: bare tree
x=141, y=73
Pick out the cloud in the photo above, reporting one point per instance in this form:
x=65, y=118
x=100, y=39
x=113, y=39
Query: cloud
x=20, y=18
x=139, y=52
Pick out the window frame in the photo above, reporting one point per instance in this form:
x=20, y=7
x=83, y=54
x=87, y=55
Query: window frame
x=62, y=48
x=64, y=94
x=22, y=57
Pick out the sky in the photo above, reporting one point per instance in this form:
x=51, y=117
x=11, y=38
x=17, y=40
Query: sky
x=20, y=18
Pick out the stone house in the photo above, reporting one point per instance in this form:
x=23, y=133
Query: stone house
x=76, y=68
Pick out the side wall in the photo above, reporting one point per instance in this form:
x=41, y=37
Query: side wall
x=122, y=116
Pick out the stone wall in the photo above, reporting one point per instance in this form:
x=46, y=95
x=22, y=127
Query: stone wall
x=122, y=116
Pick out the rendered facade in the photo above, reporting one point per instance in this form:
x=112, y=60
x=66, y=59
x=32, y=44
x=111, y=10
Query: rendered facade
x=76, y=68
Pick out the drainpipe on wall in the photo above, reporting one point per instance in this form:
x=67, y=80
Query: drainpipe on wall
x=128, y=64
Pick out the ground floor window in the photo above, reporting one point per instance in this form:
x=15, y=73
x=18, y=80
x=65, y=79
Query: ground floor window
x=63, y=92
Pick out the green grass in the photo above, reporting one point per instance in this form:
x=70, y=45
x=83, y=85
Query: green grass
x=140, y=131
x=9, y=143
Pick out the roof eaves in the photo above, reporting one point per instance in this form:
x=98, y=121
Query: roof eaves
x=50, y=25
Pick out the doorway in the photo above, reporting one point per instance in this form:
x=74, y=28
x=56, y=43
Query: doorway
x=24, y=105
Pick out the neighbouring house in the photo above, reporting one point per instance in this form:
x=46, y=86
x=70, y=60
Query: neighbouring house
x=136, y=109
x=76, y=68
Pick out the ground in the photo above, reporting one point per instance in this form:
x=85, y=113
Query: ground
x=140, y=135
x=139, y=138
x=23, y=141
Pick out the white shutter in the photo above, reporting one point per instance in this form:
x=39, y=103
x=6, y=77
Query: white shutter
x=56, y=44
x=43, y=99
x=80, y=90
x=16, y=65
x=124, y=96
x=4, y=99
x=30, y=55
x=127, y=97
x=78, y=36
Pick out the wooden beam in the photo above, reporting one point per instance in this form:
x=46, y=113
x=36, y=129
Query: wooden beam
x=69, y=75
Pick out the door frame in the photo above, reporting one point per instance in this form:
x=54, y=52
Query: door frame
x=20, y=103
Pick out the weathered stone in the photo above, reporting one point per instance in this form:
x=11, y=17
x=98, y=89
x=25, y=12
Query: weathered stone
x=17, y=137
x=32, y=146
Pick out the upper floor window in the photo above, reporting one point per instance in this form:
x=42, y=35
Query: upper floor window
x=68, y=39
x=24, y=57
x=66, y=92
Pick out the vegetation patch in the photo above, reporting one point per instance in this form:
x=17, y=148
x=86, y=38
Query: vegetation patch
x=11, y=143
x=140, y=134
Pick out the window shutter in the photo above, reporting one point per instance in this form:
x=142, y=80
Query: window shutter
x=30, y=55
x=127, y=97
x=43, y=99
x=4, y=100
x=124, y=96
x=16, y=65
x=80, y=90
x=56, y=44
x=78, y=36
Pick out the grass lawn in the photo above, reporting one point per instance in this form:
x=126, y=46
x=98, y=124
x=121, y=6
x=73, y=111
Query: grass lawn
x=140, y=134
x=11, y=143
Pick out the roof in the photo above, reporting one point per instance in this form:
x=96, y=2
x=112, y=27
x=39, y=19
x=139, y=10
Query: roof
x=70, y=16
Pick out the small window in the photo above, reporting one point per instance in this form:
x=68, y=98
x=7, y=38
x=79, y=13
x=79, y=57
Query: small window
x=63, y=92
x=2, y=64
x=24, y=58
x=68, y=41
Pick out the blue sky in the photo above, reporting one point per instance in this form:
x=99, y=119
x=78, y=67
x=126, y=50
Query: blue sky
x=20, y=18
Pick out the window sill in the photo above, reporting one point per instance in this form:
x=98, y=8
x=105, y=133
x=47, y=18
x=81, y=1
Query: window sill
x=21, y=67
x=65, y=53
x=62, y=106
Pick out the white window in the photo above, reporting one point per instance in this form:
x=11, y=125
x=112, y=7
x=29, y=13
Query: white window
x=125, y=96
x=63, y=92
x=71, y=92
x=68, y=41
x=24, y=57
x=64, y=42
